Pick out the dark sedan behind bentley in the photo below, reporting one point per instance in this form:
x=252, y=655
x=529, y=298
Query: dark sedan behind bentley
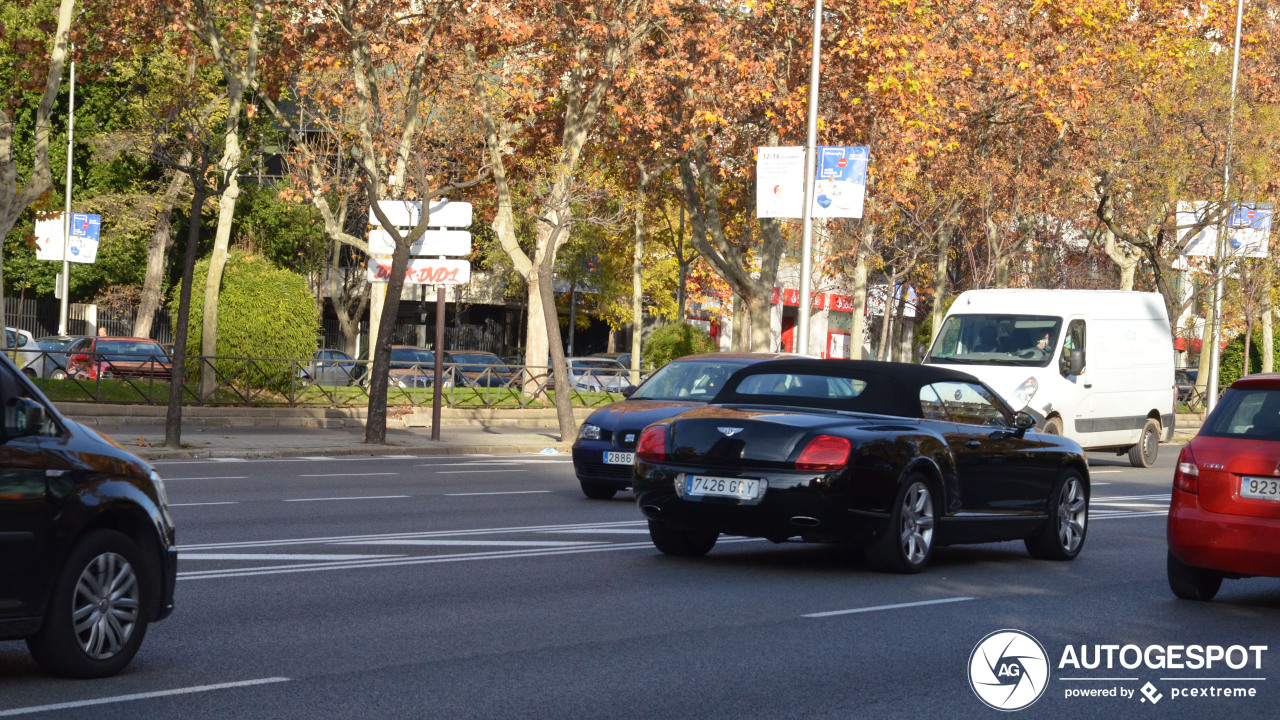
x=896, y=458
x=87, y=554
x=605, y=449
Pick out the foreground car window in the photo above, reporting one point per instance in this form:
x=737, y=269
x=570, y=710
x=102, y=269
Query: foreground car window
x=810, y=386
x=969, y=403
x=1247, y=413
x=686, y=381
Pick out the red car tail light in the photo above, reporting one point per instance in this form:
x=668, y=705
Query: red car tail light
x=824, y=453
x=1187, y=477
x=653, y=443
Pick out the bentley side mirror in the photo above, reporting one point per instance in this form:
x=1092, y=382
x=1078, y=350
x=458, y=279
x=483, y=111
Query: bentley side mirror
x=23, y=417
x=628, y=390
x=1023, y=422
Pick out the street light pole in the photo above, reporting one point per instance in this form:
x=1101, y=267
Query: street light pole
x=1211, y=394
x=810, y=161
x=66, y=214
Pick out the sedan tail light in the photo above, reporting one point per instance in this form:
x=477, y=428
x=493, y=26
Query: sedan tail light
x=824, y=453
x=653, y=443
x=1187, y=477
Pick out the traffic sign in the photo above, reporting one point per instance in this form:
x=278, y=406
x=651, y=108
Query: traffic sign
x=85, y=231
x=433, y=243
x=406, y=213
x=423, y=271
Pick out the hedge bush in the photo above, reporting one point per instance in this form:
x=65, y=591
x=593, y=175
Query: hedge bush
x=263, y=312
x=676, y=340
x=1232, y=357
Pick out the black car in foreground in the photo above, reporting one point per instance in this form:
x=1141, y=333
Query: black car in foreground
x=604, y=451
x=87, y=554
x=897, y=458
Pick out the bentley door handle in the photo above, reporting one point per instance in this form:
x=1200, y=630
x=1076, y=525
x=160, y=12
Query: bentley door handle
x=973, y=444
x=1088, y=385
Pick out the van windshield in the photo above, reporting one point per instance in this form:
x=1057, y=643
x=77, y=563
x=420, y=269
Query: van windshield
x=1023, y=340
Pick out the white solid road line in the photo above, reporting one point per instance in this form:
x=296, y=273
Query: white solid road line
x=341, y=539
x=502, y=492
x=225, y=502
x=367, y=497
x=878, y=608
x=277, y=557
x=217, y=477
x=478, y=543
x=350, y=474
x=601, y=531
x=140, y=696
x=457, y=472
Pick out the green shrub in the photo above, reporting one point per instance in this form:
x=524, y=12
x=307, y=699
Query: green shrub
x=263, y=312
x=1232, y=357
x=676, y=340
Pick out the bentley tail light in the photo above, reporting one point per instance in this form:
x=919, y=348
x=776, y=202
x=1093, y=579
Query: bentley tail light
x=653, y=443
x=1187, y=477
x=824, y=453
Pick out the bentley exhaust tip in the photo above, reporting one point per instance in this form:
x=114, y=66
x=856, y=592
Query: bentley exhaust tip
x=651, y=510
x=805, y=521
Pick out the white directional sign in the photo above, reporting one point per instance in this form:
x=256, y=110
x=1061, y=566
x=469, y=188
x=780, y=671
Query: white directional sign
x=406, y=213
x=85, y=230
x=432, y=243
x=422, y=271
x=839, y=186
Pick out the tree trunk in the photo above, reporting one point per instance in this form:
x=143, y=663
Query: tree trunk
x=158, y=254
x=858, y=328
x=1206, y=346
x=375, y=427
x=1245, y=362
x=758, y=308
x=173, y=415
x=739, y=342
x=550, y=229
x=682, y=264
x=886, y=322
x=228, y=166
x=1268, y=334
x=940, y=284
x=637, y=267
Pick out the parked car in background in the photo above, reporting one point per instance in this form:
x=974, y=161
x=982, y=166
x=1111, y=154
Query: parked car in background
x=87, y=553
x=892, y=457
x=1224, y=516
x=1185, y=380
x=100, y=358
x=592, y=374
x=25, y=345
x=604, y=452
x=412, y=367
x=477, y=368
x=622, y=358
x=329, y=367
x=52, y=360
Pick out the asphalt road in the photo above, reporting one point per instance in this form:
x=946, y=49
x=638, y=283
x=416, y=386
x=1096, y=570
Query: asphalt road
x=488, y=587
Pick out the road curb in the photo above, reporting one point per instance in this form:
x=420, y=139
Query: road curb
x=147, y=453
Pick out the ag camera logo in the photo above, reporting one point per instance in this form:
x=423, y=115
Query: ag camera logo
x=1008, y=670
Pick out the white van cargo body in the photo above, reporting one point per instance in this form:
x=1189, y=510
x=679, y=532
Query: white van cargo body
x=1093, y=365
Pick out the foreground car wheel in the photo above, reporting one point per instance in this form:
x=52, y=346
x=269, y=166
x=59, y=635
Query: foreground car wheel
x=907, y=544
x=98, y=613
x=1143, y=454
x=1062, y=536
x=597, y=491
x=1192, y=583
x=685, y=543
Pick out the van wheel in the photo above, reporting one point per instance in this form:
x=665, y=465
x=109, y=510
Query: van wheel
x=98, y=613
x=1143, y=455
x=1052, y=426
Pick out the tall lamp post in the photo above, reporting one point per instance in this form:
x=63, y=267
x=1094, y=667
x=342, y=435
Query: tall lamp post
x=810, y=161
x=1211, y=394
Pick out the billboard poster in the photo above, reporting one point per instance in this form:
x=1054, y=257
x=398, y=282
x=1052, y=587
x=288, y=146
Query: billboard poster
x=780, y=182
x=1248, y=229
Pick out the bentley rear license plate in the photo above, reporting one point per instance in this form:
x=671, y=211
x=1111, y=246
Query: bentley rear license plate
x=1260, y=488
x=740, y=488
x=619, y=458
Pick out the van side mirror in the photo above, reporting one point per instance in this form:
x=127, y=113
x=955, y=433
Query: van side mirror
x=1075, y=362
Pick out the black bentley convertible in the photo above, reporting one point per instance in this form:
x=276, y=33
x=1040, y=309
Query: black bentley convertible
x=897, y=458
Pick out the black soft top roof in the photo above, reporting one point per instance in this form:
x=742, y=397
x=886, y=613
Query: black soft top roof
x=892, y=388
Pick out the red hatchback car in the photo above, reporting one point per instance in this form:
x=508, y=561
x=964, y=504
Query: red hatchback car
x=1224, y=519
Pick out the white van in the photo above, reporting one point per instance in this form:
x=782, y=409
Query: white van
x=1093, y=365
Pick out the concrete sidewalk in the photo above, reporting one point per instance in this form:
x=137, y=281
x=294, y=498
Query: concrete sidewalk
x=147, y=442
